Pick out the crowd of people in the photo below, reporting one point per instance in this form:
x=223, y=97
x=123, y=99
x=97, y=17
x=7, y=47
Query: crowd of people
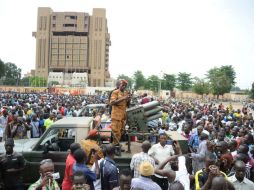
x=220, y=141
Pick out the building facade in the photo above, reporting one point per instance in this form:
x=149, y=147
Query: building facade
x=68, y=79
x=73, y=42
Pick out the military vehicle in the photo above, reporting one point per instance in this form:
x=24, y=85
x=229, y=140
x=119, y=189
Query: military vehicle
x=55, y=142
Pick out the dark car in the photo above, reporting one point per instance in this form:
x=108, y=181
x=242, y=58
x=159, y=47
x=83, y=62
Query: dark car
x=87, y=110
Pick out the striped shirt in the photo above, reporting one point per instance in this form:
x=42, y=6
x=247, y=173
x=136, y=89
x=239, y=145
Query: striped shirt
x=137, y=159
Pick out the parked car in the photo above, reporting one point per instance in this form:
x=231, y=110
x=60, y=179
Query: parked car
x=87, y=110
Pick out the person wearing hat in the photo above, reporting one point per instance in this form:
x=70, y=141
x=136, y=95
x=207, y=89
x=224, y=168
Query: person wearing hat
x=119, y=101
x=11, y=164
x=146, y=170
x=110, y=94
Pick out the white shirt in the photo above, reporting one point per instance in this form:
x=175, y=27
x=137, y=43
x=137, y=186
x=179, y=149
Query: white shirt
x=182, y=174
x=97, y=183
x=244, y=185
x=3, y=124
x=161, y=153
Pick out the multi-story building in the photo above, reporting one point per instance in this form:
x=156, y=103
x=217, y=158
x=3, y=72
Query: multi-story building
x=71, y=42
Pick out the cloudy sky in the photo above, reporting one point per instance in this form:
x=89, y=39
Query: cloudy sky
x=154, y=36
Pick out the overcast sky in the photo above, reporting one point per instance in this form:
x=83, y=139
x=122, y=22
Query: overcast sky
x=149, y=35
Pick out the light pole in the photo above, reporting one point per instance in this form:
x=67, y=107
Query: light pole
x=159, y=87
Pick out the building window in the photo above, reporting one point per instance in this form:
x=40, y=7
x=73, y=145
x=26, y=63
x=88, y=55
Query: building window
x=85, y=25
x=54, y=17
x=71, y=17
x=67, y=56
x=53, y=25
x=69, y=25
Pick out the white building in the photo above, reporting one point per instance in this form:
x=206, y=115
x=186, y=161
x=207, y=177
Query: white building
x=70, y=79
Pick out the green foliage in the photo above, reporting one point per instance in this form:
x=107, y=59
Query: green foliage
x=10, y=73
x=38, y=81
x=153, y=83
x=235, y=88
x=25, y=81
x=252, y=91
x=55, y=83
x=221, y=79
x=200, y=86
x=129, y=79
x=139, y=80
x=2, y=68
x=184, y=81
x=230, y=73
x=168, y=82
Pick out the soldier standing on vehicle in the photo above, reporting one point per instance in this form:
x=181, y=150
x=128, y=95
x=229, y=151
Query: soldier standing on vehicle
x=119, y=101
x=110, y=94
x=11, y=165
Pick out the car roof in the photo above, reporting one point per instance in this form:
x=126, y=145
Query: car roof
x=73, y=122
x=96, y=105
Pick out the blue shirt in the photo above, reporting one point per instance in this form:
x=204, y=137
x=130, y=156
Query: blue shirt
x=35, y=129
x=90, y=176
x=109, y=174
x=194, y=141
x=41, y=123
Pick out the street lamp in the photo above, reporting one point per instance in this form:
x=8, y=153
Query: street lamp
x=159, y=84
x=159, y=87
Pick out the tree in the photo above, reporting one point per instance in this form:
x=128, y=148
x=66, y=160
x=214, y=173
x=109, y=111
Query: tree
x=38, y=81
x=184, y=81
x=230, y=73
x=2, y=68
x=168, y=82
x=139, y=80
x=221, y=79
x=54, y=83
x=12, y=74
x=200, y=86
x=252, y=91
x=25, y=81
x=152, y=83
x=235, y=88
x=125, y=77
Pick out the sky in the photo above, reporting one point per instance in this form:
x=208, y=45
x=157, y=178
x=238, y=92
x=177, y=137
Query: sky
x=165, y=36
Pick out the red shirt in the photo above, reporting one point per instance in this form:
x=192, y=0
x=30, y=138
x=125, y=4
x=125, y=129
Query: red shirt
x=67, y=183
x=62, y=111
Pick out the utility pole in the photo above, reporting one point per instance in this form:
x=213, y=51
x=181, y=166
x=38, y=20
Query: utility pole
x=159, y=87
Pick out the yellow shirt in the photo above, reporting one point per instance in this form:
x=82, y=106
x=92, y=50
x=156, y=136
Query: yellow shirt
x=48, y=122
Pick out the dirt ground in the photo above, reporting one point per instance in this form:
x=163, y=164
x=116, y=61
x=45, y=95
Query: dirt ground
x=236, y=105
